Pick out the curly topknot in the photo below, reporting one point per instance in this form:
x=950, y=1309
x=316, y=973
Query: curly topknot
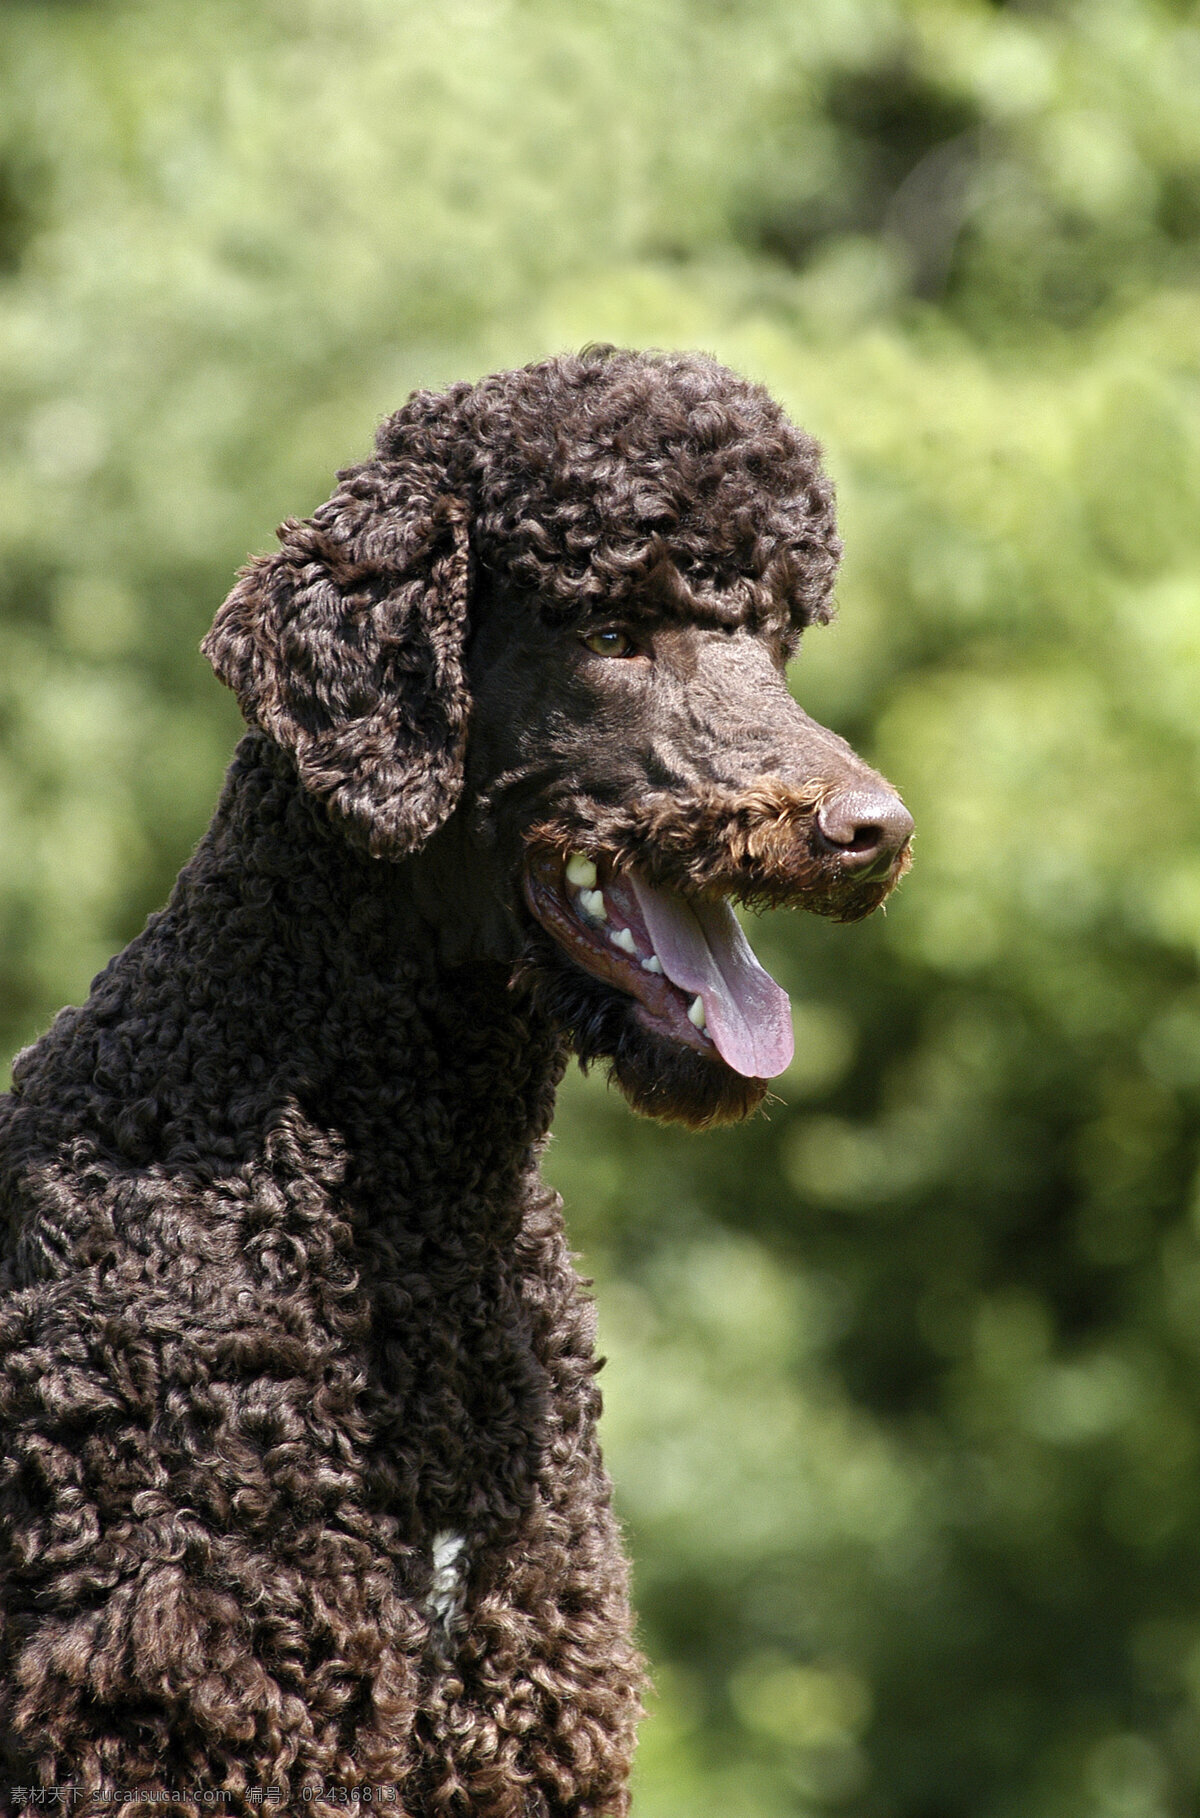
x=589, y=471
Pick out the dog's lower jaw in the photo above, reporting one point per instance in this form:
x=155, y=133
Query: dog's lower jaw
x=659, y=1077
x=677, y=1085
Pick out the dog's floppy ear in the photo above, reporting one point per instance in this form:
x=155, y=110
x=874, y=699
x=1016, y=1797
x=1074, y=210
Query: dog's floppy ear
x=346, y=646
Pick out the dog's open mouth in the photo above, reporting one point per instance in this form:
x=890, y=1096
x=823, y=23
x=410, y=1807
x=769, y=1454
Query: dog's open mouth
x=684, y=960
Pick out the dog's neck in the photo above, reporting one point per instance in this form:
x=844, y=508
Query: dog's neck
x=316, y=991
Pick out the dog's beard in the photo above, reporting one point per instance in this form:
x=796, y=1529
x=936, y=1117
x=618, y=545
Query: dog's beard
x=659, y=1077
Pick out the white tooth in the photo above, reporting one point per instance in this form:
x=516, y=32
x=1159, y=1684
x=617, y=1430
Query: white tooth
x=653, y=964
x=581, y=873
x=696, y=1013
x=624, y=940
x=592, y=903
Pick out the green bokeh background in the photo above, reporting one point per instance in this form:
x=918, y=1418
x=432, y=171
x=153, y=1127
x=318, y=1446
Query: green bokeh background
x=902, y=1401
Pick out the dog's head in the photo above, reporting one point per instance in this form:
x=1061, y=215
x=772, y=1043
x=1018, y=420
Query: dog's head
x=538, y=645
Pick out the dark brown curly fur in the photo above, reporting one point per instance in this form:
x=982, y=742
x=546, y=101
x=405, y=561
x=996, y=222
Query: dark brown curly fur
x=285, y=1298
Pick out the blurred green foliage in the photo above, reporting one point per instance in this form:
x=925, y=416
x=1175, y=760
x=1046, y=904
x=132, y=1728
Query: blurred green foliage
x=903, y=1394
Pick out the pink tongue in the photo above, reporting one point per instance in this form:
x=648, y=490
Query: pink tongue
x=703, y=949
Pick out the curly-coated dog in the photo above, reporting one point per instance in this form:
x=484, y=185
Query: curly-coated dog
x=301, y=1497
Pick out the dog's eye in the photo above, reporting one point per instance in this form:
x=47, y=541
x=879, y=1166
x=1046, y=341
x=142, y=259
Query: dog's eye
x=609, y=643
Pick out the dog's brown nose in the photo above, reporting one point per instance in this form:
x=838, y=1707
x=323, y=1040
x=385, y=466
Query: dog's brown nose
x=866, y=827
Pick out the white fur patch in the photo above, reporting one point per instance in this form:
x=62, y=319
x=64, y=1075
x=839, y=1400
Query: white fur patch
x=449, y=1572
